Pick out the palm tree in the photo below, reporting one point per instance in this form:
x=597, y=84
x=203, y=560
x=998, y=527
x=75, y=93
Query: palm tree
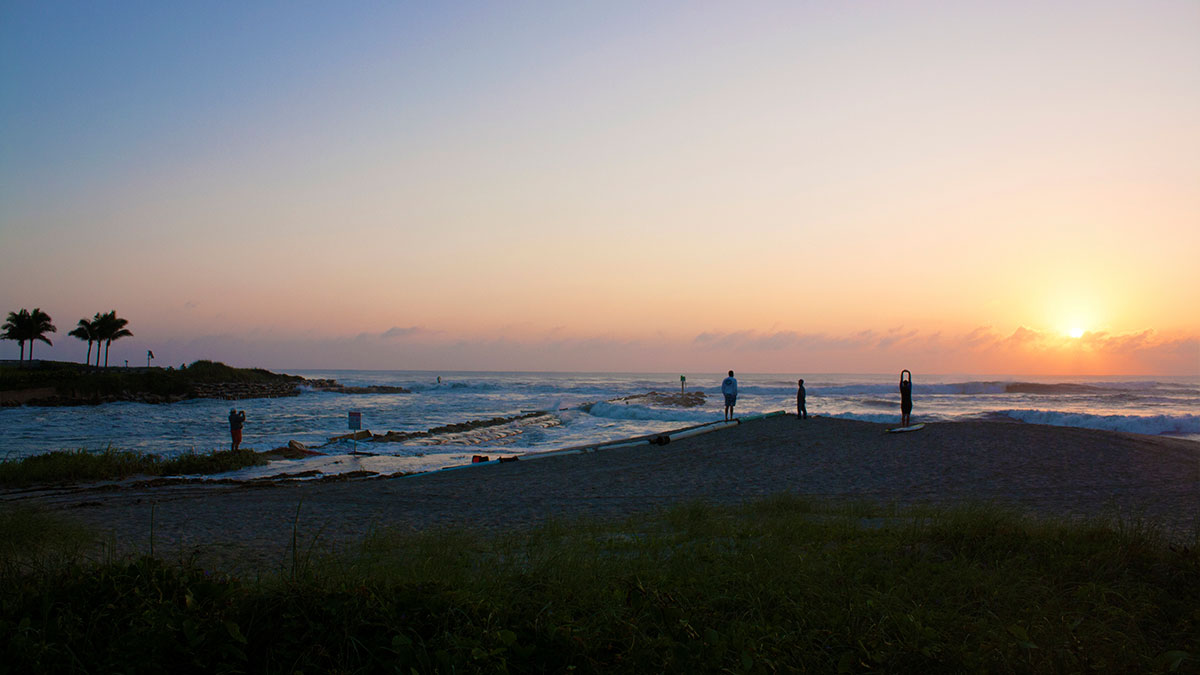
x=86, y=330
x=97, y=326
x=29, y=326
x=17, y=328
x=40, y=324
x=112, y=327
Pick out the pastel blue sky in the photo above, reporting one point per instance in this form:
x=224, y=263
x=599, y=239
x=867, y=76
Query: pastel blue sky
x=605, y=185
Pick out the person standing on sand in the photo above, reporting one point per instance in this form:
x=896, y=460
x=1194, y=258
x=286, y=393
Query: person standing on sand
x=729, y=388
x=801, y=409
x=236, y=420
x=905, y=397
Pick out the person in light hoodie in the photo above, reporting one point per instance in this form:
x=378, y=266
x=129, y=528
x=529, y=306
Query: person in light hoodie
x=729, y=389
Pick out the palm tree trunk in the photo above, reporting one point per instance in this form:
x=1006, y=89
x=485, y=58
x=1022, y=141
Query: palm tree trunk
x=107, y=345
x=89, y=356
x=22, y=343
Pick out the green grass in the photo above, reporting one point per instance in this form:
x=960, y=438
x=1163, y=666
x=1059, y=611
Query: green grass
x=110, y=464
x=30, y=536
x=782, y=585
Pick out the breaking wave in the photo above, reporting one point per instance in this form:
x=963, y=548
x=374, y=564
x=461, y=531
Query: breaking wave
x=1137, y=424
x=639, y=412
x=1151, y=425
x=976, y=388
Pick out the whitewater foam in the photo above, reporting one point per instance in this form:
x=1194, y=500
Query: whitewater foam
x=1175, y=425
x=639, y=412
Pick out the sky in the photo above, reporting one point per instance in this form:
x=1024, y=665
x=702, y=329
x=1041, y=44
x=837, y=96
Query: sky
x=828, y=187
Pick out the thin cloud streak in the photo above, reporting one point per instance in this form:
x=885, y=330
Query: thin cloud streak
x=983, y=350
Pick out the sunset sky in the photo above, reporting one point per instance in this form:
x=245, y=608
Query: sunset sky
x=989, y=188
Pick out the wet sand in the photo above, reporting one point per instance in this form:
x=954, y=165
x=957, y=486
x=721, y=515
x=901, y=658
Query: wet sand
x=1050, y=471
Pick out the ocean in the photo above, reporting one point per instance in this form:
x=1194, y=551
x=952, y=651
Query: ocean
x=1158, y=406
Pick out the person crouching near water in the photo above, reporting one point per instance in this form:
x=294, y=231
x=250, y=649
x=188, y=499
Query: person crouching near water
x=236, y=420
x=729, y=388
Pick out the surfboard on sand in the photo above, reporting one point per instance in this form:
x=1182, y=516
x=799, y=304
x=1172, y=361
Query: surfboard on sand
x=913, y=427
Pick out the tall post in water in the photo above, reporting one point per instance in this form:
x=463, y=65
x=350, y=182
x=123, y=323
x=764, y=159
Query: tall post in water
x=355, y=424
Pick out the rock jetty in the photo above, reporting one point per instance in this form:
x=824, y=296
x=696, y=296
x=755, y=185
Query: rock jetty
x=339, y=388
x=55, y=383
x=240, y=390
x=691, y=399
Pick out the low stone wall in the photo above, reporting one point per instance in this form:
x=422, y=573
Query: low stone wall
x=24, y=396
x=339, y=388
x=239, y=390
x=50, y=396
x=691, y=399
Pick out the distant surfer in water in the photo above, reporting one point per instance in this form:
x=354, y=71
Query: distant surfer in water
x=801, y=409
x=729, y=388
x=905, y=397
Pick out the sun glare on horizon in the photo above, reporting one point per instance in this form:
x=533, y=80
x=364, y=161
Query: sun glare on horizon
x=1075, y=332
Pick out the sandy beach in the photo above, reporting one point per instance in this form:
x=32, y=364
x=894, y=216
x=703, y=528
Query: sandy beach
x=1051, y=471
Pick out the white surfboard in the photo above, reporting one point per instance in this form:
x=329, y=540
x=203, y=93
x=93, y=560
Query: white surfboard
x=913, y=427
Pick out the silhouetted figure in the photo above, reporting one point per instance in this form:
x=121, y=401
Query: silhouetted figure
x=801, y=409
x=729, y=388
x=905, y=397
x=236, y=420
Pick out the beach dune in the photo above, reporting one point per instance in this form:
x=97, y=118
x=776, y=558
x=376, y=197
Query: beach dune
x=1043, y=470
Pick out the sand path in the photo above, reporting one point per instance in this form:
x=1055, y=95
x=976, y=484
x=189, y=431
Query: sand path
x=1053, y=471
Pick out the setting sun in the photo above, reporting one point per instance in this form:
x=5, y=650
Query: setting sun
x=535, y=221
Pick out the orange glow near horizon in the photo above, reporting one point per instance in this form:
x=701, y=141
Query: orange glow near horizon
x=806, y=187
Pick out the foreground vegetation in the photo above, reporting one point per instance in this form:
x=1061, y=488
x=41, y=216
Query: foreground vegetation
x=777, y=586
x=68, y=466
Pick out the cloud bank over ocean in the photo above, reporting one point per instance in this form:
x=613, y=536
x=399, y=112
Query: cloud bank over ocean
x=981, y=350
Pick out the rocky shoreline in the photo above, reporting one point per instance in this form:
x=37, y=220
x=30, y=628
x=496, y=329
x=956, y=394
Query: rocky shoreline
x=70, y=385
x=230, y=391
x=691, y=399
x=51, y=396
x=339, y=388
